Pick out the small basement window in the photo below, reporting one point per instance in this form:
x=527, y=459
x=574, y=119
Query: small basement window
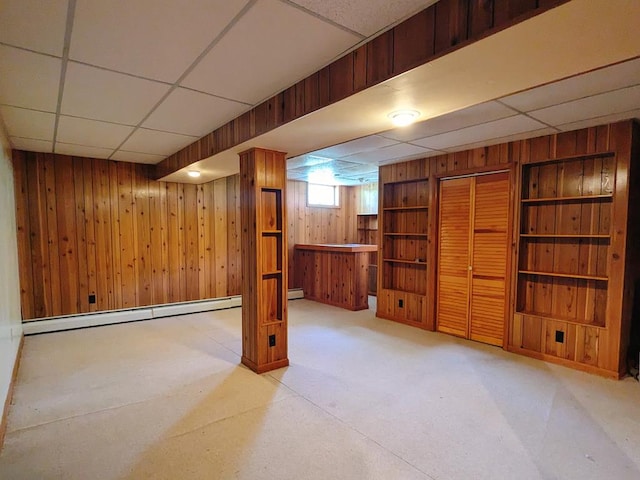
x=323, y=195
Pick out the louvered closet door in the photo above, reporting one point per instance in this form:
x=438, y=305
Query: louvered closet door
x=472, y=256
x=489, y=258
x=453, y=256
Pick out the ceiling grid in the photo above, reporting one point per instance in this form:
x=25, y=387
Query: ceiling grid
x=134, y=80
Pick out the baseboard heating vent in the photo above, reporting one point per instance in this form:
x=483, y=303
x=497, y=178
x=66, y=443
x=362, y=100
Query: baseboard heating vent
x=70, y=322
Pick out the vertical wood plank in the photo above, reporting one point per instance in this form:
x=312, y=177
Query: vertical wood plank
x=413, y=41
x=113, y=203
x=128, y=260
x=23, y=230
x=379, y=58
x=53, y=250
x=142, y=223
x=220, y=240
x=82, y=243
x=190, y=245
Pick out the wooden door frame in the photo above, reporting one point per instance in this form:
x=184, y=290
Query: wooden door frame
x=510, y=275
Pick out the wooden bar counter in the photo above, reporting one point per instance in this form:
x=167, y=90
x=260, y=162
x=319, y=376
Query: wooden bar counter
x=334, y=274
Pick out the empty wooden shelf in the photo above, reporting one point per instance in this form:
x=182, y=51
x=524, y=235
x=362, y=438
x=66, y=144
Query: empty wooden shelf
x=575, y=272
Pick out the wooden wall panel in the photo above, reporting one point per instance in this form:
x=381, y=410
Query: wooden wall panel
x=23, y=230
x=319, y=224
x=540, y=306
x=97, y=227
x=367, y=197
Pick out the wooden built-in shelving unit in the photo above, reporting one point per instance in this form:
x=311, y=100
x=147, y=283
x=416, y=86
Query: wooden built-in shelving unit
x=562, y=257
x=368, y=234
x=576, y=270
x=404, y=204
x=565, y=235
x=264, y=260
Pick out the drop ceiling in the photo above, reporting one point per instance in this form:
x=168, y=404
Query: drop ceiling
x=137, y=80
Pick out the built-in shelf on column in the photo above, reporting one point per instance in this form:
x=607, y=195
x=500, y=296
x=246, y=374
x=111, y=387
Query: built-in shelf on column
x=264, y=303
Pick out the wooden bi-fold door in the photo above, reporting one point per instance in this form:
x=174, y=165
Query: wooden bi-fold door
x=472, y=257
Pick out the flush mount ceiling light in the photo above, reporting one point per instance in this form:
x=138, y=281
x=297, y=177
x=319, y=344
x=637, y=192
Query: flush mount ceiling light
x=194, y=173
x=402, y=118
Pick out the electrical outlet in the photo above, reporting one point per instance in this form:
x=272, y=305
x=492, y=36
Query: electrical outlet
x=92, y=298
x=272, y=340
x=559, y=336
x=400, y=303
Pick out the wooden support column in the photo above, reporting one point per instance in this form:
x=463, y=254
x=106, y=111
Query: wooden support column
x=264, y=259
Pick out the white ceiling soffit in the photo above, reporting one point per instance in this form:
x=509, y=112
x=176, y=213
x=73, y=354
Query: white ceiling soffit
x=563, y=42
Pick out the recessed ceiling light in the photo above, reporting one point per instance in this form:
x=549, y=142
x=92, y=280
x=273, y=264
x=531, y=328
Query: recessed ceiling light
x=194, y=173
x=402, y=118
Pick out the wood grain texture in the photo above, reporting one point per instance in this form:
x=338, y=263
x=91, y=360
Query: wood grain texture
x=97, y=227
x=317, y=224
x=404, y=199
x=575, y=228
x=438, y=29
x=584, y=238
x=336, y=276
x=455, y=220
x=264, y=259
x=472, y=257
x=132, y=241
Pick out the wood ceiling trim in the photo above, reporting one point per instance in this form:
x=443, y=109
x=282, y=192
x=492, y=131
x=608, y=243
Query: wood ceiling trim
x=436, y=31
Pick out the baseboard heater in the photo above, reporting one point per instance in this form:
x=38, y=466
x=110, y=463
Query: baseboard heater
x=70, y=322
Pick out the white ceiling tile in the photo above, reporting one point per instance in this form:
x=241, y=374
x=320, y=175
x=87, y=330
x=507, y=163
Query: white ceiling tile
x=135, y=157
x=29, y=80
x=426, y=154
x=480, y=133
x=590, y=107
x=611, y=78
x=592, y=122
x=393, y=152
x=192, y=113
x=31, y=144
x=34, y=24
x=157, y=143
x=365, y=16
x=91, y=132
x=270, y=48
x=166, y=36
x=508, y=138
x=484, y=112
x=356, y=169
x=365, y=144
x=102, y=95
x=21, y=122
x=82, y=150
x=306, y=161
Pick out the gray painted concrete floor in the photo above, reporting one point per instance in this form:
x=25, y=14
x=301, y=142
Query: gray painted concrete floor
x=363, y=398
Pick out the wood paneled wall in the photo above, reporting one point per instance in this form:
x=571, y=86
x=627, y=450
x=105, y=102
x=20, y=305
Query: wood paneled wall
x=597, y=346
x=98, y=227
x=437, y=30
x=367, y=197
x=319, y=224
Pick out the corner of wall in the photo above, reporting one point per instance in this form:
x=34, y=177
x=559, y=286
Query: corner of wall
x=10, y=315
